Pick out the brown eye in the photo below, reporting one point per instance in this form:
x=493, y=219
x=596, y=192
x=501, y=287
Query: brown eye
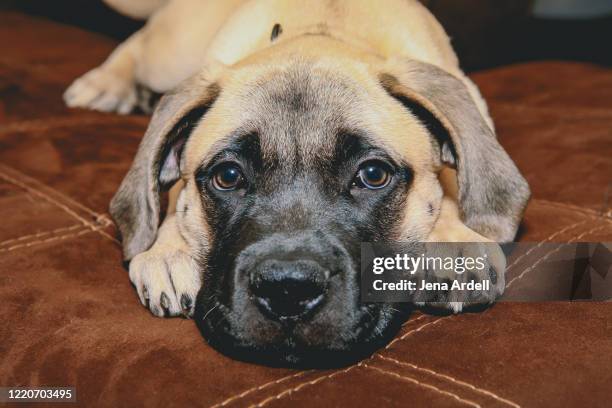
x=227, y=177
x=373, y=175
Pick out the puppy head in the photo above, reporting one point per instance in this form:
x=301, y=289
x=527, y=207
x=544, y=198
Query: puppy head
x=287, y=168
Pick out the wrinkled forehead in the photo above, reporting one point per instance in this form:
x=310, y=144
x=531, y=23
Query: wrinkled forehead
x=301, y=114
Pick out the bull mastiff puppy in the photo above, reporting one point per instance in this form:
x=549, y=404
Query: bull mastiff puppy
x=291, y=131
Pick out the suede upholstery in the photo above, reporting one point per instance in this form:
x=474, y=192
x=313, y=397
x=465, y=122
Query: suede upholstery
x=69, y=315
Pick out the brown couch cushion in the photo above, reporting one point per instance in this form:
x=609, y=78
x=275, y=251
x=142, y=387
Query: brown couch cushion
x=70, y=317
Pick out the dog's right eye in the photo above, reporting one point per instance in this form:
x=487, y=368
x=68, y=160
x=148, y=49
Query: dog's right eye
x=227, y=177
x=373, y=175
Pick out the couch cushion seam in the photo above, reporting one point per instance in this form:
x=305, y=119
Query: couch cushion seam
x=548, y=239
x=260, y=387
x=418, y=329
x=47, y=240
x=452, y=379
x=574, y=208
x=100, y=220
x=317, y=380
x=552, y=251
x=44, y=197
x=425, y=385
x=41, y=234
x=22, y=183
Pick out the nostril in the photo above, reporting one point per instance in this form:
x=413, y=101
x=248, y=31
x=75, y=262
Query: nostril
x=285, y=295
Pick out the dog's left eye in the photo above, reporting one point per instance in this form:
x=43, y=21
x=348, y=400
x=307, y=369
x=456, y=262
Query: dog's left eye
x=227, y=177
x=373, y=175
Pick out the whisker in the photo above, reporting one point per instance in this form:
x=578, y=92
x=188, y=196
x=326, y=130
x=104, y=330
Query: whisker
x=209, y=311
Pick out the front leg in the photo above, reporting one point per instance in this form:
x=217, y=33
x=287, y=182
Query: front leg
x=461, y=241
x=166, y=277
x=111, y=87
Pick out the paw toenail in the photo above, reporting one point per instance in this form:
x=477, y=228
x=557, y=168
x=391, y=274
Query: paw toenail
x=165, y=302
x=186, y=301
x=155, y=310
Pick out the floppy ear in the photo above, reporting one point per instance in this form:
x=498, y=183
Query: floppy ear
x=136, y=205
x=492, y=192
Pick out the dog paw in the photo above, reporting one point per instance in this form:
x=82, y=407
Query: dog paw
x=167, y=281
x=480, y=283
x=104, y=90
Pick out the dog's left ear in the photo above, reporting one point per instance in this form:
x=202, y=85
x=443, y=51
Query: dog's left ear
x=156, y=167
x=492, y=192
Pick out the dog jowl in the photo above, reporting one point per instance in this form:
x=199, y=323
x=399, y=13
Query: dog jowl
x=282, y=171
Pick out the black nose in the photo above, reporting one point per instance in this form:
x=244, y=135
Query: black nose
x=288, y=289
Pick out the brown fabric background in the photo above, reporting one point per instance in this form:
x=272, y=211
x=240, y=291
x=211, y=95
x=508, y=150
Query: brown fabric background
x=70, y=317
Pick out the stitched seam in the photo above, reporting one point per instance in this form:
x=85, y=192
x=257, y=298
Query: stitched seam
x=261, y=387
x=40, y=234
x=548, y=254
x=545, y=241
x=418, y=329
x=108, y=236
x=452, y=379
x=43, y=241
x=575, y=208
x=414, y=320
x=303, y=385
x=53, y=201
x=42, y=185
x=45, y=197
x=104, y=219
x=325, y=377
x=425, y=385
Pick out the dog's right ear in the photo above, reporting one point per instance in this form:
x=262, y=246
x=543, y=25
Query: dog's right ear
x=136, y=205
